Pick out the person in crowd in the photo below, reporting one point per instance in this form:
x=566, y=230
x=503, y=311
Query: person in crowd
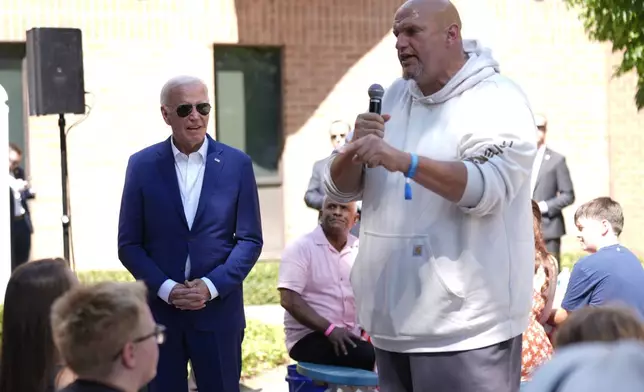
x=443, y=279
x=18, y=172
x=552, y=188
x=315, y=290
x=600, y=324
x=611, y=274
x=21, y=227
x=190, y=228
x=107, y=336
x=536, y=347
x=30, y=361
x=592, y=367
x=315, y=192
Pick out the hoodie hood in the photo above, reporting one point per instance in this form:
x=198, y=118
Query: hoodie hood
x=480, y=66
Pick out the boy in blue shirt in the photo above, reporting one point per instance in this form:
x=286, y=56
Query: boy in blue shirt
x=611, y=274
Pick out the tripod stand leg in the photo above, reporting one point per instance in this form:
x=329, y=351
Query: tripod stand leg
x=65, y=219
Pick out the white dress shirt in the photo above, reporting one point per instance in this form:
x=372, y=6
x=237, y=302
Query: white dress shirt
x=190, y=170
x=17, y=186
x=536, y=166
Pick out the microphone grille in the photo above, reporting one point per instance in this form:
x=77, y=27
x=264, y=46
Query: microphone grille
x=376, y=91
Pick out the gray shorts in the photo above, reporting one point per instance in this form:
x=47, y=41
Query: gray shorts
x=495, y=368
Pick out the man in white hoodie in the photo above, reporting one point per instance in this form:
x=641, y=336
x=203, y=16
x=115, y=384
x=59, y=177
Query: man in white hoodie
x=443, y=278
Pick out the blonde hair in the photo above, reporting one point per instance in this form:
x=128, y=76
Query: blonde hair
x=91, y=324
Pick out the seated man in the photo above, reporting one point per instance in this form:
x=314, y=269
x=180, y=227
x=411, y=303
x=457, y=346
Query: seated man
x=320, y=318
x=106, y=335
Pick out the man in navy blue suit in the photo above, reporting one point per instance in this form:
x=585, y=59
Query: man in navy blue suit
x=190, y=228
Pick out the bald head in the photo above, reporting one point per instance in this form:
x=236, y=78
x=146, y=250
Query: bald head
x=429, y=42
x=441, y=13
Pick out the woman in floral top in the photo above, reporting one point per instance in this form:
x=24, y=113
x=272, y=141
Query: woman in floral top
x=537, y=347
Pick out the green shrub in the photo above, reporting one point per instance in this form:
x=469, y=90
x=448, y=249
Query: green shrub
x=260, y=287
x=263, y=348
x=568, y=260
x=102, y=276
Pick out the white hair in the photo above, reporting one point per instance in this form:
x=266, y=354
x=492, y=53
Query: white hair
x=178, y=81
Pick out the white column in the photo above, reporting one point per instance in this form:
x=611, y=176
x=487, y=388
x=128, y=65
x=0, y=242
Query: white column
x=5, y=236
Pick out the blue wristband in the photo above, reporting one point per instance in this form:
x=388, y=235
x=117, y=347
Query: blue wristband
x=411, y=172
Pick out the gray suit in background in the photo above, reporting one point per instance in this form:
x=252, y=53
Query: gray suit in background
x=314, y=196
x=315, y=193
x=554, y=187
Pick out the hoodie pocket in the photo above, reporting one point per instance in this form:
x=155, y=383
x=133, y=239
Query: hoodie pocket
x=403, y=289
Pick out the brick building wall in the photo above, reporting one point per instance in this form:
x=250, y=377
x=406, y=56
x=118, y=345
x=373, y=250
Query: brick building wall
x=332, y=51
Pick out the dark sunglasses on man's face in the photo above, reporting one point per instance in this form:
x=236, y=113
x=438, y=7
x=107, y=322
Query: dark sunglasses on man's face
x=186, y=109
x=338, y=137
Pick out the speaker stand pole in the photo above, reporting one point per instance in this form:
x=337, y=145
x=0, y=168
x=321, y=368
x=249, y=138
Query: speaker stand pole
x=63, y=171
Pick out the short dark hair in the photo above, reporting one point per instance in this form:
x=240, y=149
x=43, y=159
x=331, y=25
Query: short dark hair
x=14, y=147
x=602, y=208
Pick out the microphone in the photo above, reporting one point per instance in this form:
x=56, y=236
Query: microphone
x=375, y=98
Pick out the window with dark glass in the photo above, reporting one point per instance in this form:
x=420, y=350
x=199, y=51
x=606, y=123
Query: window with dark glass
x=248, y=104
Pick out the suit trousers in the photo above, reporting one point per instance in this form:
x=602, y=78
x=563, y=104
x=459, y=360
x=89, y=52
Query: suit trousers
x=216, y=359
x=554, y=248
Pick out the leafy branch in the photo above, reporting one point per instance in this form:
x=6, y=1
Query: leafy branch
x=622, y=23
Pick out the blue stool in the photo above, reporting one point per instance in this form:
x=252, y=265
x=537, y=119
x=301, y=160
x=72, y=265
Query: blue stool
x=339, y=378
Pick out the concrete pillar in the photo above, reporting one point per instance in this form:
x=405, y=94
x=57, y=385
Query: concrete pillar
x=5, y=236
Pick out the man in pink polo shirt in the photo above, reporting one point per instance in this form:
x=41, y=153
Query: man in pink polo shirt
x=315, y=289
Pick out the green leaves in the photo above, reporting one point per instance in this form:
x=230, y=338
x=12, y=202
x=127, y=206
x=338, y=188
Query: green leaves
x=263, y=348
x=622, y=23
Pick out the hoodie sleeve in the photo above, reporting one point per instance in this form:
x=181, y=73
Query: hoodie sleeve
x=498, y=147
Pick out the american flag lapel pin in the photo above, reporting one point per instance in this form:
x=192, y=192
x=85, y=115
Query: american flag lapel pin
x=417, y=250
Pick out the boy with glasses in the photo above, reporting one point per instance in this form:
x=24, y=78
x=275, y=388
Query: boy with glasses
x=107, y=336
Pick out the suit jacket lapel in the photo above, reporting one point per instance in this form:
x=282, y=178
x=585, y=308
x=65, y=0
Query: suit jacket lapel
x=214, y=164
x=545, y=164
x=168, y=173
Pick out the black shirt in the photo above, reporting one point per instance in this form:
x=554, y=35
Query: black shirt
x=89, y=386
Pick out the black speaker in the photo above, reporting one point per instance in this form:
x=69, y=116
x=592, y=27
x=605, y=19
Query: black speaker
x=55, y=71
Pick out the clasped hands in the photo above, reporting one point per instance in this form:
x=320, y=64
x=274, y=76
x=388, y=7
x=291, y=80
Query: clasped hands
x=191, y=295
x=367, y=145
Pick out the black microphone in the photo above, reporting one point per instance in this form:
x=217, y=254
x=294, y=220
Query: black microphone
x=375, y=98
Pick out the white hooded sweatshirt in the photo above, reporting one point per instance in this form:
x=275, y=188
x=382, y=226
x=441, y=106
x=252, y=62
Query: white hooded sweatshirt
x=432, y=275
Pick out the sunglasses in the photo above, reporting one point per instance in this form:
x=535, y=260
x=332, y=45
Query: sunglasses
x=338, y=137
x=158, y=334
x=185, y=109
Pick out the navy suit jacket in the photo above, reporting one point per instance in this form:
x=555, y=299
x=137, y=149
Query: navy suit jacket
x=224, y=243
